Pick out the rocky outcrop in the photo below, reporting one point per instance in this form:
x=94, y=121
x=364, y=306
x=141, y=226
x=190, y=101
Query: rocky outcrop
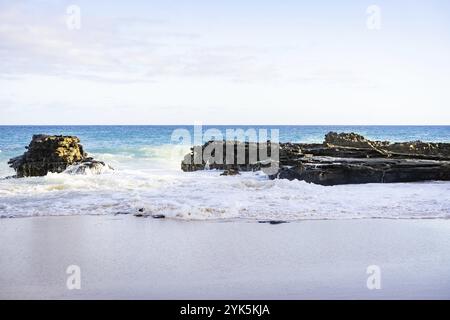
x=213, y=155
x=342, y=158
x=414, y=149
x=326, y=171
x=57, y=153
x=352, y=140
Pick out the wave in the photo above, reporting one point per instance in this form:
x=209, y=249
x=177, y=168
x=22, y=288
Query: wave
x=205, y=195
x=149, y=178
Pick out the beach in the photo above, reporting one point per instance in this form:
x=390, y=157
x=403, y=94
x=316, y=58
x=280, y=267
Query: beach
x=224, y=150
x=333, y=240
x=126, y=257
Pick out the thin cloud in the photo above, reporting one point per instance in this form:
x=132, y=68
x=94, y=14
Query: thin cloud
x=111, y=49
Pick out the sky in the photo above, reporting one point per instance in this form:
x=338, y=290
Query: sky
x=225, y=62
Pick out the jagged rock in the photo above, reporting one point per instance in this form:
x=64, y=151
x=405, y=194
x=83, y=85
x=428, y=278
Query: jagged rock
x=416, y=149
x=351, y=140
x=57, y=153
x=341, y=159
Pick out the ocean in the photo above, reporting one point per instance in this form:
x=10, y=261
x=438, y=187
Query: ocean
x=147, y=175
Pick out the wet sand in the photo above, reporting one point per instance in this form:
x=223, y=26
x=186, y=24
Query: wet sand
x=125, y=257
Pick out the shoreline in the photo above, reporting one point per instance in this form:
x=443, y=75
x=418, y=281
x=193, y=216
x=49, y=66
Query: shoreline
x=123, y=257
x=227, y=220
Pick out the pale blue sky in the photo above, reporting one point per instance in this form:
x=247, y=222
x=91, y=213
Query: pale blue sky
x=225, y=62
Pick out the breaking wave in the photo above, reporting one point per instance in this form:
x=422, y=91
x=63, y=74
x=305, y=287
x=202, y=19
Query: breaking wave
x=150, y=178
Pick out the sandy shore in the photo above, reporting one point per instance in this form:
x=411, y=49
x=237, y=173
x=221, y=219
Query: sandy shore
x=143, y=258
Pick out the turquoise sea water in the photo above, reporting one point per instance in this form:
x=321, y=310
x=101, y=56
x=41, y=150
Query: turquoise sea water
x=147, y=175
x=131, y=139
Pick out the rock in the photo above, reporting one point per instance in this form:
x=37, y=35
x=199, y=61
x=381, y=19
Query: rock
x=240, y=159
x=325, y=171
x=272, y=221
x=342, y=158
x=141, y=213
x=88, y=166
x=54, y=154
x=230, y=172
x=421, y=149
x=416, y=149
x=351, y=139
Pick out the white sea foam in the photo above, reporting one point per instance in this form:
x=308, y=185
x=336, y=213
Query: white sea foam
x=150, y=178
x=163, y=189
x=86, y=170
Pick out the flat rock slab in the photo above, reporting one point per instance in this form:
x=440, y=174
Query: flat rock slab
x=334, y=171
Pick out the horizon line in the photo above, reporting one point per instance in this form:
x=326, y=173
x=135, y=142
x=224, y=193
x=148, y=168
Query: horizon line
x=213, y=124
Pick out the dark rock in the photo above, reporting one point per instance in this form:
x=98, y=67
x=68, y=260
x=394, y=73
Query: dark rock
x=415, y=149
x=336, y=171
x=230, y=172
x=341, y=159
x=353, y=140
x=138, y=215
x=141, y=210
x=158, y=216
x=54, y=154
x=272, y=221
x=425, y=150
x=240, y=157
